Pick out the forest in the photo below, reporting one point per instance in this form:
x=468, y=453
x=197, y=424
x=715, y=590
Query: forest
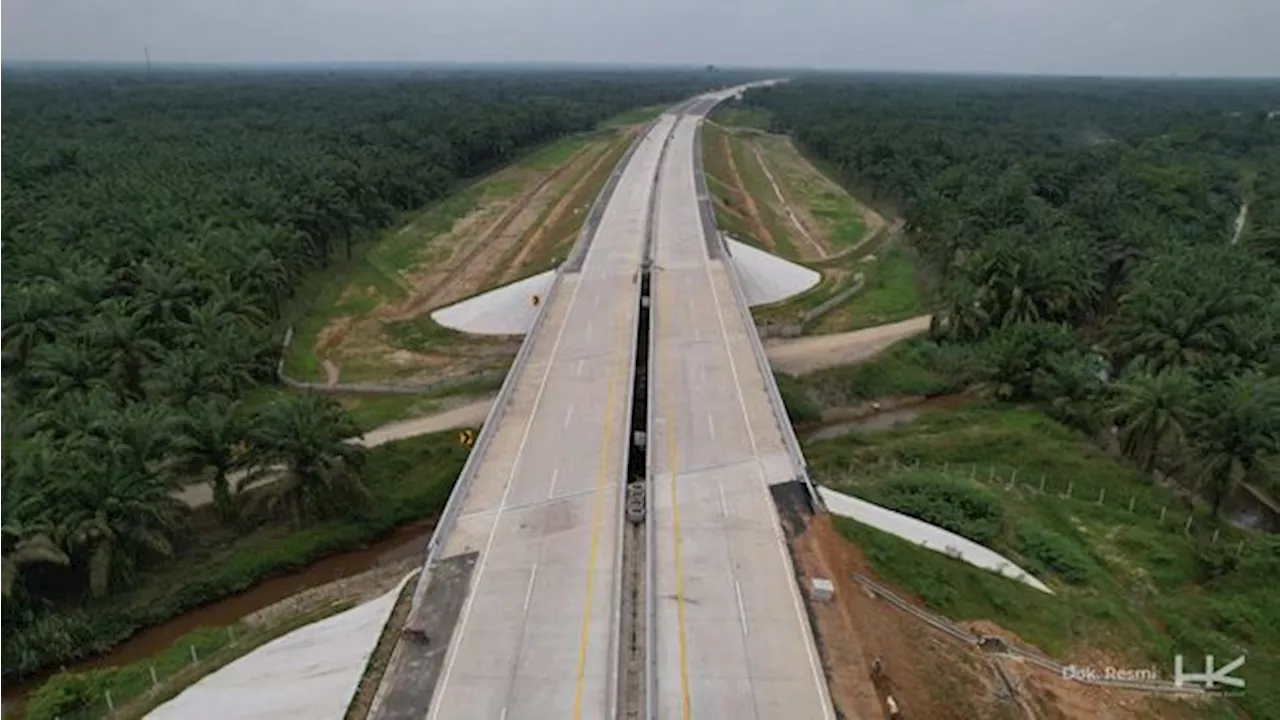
x=155, y=229
x=1081, y=240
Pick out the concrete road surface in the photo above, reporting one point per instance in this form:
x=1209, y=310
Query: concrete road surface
x=732, y=637
x=535, y=635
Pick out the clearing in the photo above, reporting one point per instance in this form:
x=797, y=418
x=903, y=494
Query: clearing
x=369, y=319
x=768, y=194
x=1133, y=587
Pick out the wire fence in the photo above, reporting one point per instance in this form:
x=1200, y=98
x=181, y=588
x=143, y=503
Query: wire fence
x=131, y=691
x=1173, y=517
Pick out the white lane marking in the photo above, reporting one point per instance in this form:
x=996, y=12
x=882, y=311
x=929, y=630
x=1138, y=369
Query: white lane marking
x=551, y=491
x=724, y=506
x=451, y=654
x=711, y=425
x=568, y=417
x=779, y=539
x=577, y=371
x=504, y=714
x=702, y=374
x=742, y=609
x=533, y=576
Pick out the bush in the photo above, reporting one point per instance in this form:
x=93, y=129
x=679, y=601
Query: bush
x=799, y=407
x=1051, y=551
x=964, y=509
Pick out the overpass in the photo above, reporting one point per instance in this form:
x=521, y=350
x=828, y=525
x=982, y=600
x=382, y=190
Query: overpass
x=611, y=548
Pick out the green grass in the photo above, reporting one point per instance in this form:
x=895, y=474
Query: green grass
x=757, y=184
x=635, y=116
x=915, y=366
x=757, y=118
x=1127, y=584
x=892, y=293
x=372, y=411
x=842, y=225
x=421, y=334
x=410, y=480
x=83, y=695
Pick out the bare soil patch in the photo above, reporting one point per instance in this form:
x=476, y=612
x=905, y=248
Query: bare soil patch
x=819, y=249
x=739, y=188
x=484, y=248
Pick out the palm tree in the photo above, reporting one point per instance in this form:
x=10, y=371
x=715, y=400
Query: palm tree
x=1153, y=413
x=28, y=539
x=1236, y=425
x=208, y=441
x=119, y=328
x=116, y=519
x=306, y=435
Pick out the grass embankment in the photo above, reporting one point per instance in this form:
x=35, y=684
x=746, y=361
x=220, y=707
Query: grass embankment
x=410, y=480
x=748, y=209
x=891, y=293
x=1132, y=590
x=911, y=367
x=391, y=268
x=133, y=693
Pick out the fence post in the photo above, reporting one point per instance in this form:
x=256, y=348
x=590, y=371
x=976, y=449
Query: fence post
x=231, y=634
x=1162, y=512
x=1070, y=486
x=1041, y=482
x=973, y=471
x=154, y=680
x=1186, y=530
x=991, y=474
x=195, y=657
x=1101, y=494
x=111, y=704
x=946, y=467
x=1240, y=549
x=1214, y=541
x=1131, y=498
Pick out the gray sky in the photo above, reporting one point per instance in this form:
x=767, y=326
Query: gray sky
x=1189, y=37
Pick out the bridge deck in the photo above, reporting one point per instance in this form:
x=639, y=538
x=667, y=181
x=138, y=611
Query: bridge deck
x=534, y=635
x=732, y=637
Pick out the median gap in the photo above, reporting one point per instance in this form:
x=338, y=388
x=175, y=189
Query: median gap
x=633, y=631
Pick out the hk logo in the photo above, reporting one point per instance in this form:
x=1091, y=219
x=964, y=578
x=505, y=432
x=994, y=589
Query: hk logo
x=1211, y=678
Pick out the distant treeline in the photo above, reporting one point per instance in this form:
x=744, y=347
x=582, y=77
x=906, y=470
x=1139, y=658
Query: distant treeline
x=1079, y=236
x=154, y=230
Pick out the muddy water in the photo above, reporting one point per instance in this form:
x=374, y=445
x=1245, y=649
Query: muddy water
x=408, y=541
x=894, y=412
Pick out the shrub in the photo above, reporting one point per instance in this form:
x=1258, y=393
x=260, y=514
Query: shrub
x=1051, y=551
x=964, y=509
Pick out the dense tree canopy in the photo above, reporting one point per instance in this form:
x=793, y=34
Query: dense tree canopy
x=1083, y=233
x=154, y=230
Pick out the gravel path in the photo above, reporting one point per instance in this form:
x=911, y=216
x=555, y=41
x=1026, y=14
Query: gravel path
x=798, y=356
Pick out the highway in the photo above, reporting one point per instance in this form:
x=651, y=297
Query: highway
x=525, y=610
x=534, y=636
x=732, y=639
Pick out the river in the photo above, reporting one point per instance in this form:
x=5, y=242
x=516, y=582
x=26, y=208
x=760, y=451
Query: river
x=404, y=542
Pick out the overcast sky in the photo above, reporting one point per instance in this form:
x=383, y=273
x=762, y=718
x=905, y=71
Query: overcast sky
x=1147, y=37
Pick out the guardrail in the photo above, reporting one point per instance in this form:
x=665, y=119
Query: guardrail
x=650, y=571
x=757, y=348
x=588, y=230
x=457, y=496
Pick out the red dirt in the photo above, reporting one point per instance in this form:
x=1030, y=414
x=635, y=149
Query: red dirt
x=740, y=190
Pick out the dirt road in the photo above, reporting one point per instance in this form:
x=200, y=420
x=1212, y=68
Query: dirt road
x=472, y=414
x=798, y=356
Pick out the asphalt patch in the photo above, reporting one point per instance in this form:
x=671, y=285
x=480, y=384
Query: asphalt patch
x=412, y=680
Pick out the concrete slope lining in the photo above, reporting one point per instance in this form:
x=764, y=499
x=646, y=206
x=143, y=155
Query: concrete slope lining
x=927, y=535
x=507, y=310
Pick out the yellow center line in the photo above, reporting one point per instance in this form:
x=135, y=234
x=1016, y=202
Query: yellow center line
x=597, y=511
x=677, y=542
